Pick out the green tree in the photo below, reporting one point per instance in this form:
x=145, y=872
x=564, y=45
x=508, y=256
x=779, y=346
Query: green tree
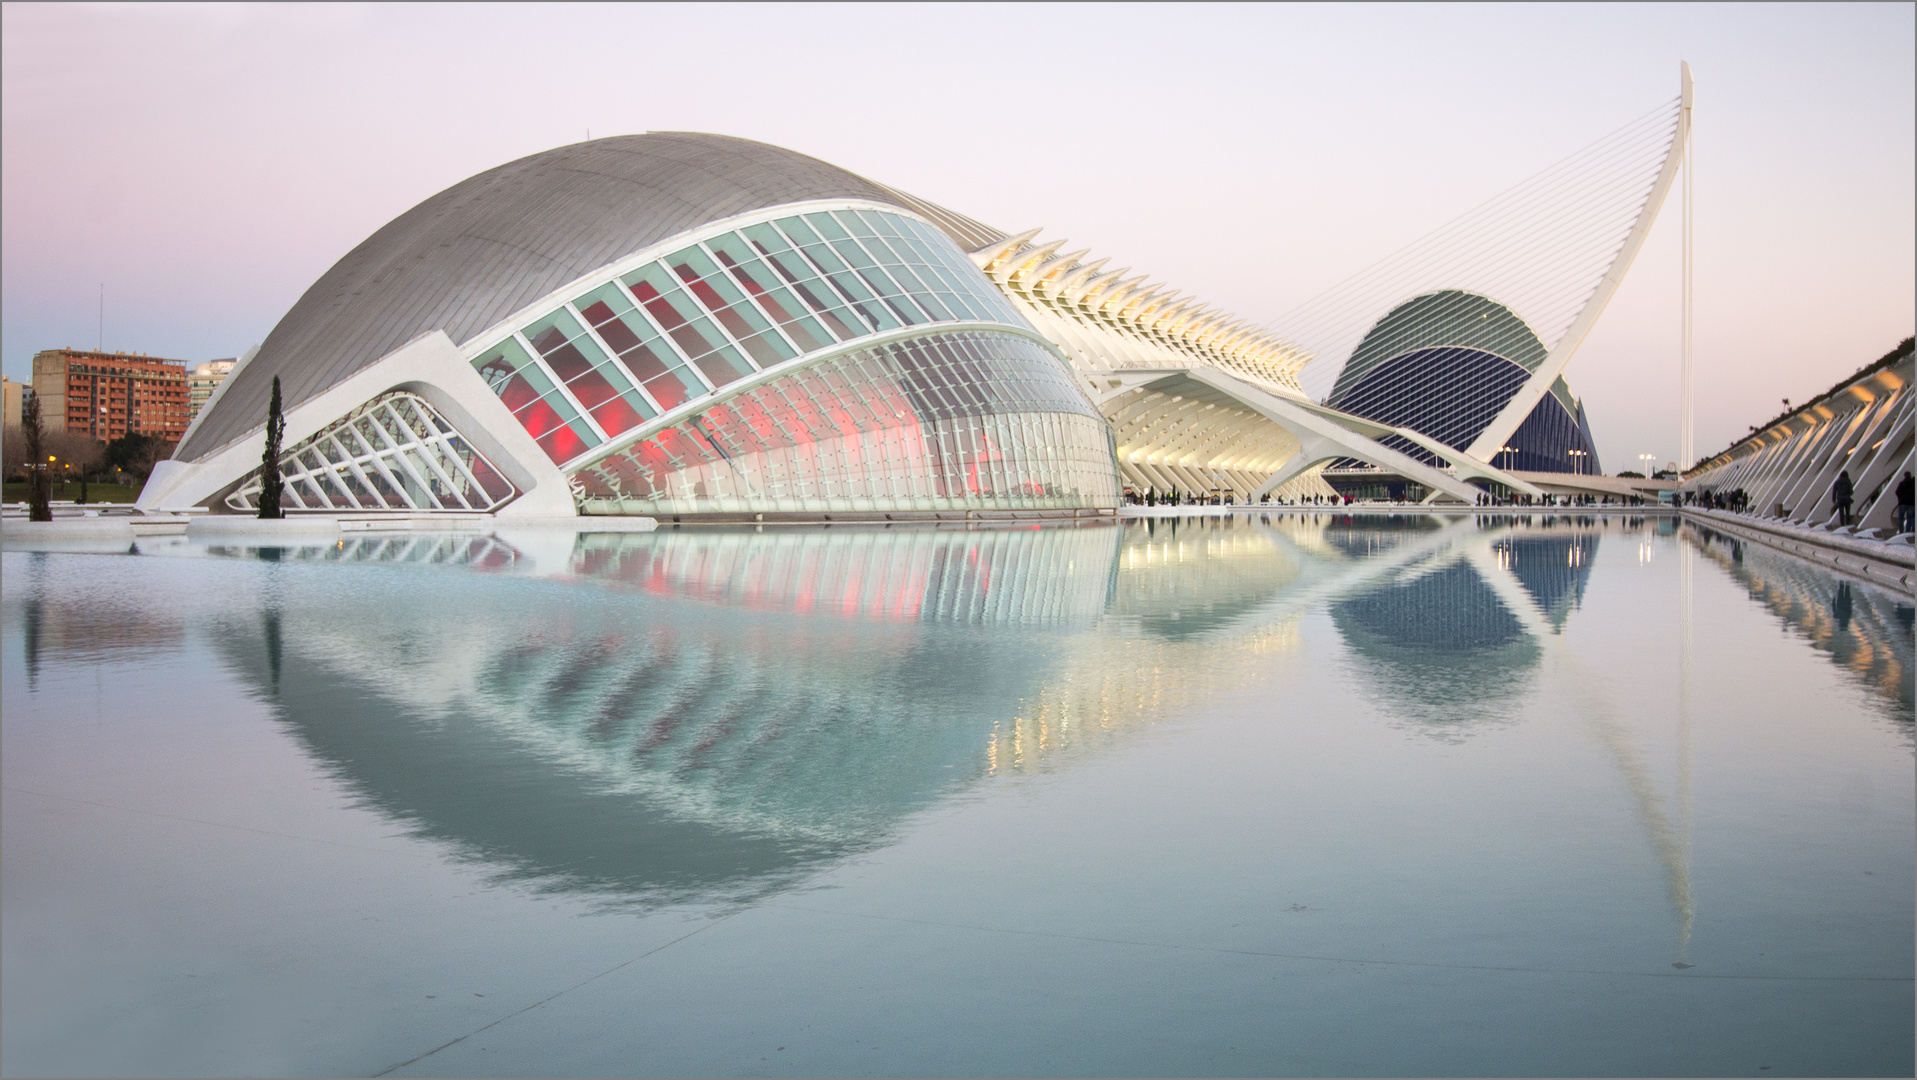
x=271, y=483
x=135, y=453
x=39, y=482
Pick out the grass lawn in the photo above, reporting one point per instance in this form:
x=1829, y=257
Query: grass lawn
x=16, y=491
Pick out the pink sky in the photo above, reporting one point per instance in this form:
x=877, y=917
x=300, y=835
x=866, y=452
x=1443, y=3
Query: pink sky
x=207, y=163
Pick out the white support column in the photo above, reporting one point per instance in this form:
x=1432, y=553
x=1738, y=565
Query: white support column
x=1687, y=405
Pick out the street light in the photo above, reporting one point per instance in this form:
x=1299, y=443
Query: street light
x=1507, y=450
x=1577, y=467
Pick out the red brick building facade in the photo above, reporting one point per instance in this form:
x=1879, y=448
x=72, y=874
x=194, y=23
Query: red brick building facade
x=108, y=394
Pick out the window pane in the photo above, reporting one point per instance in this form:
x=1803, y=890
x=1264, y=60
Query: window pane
x=883, y=224
x=673, y=310
x=512, y=374
x=724, y=365
x=603, y=303
x=553, y=330
x=539, y=417
x=619, y=414
x=817, y=295
x=826, y=227
x=767, y=349
x=702, y=277
x=645, y=363
x=766, y=291
x=565, y=443
x=674, y=388
x=854, y=223
x=626, y=332
x=799, y=231
x=568, y=359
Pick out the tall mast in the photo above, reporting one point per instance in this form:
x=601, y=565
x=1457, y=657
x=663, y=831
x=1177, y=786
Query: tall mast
x=1686, y=403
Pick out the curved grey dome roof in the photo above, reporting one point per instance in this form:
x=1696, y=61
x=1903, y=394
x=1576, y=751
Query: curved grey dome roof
x=473, y=254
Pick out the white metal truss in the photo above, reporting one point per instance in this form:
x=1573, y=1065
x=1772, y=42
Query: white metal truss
x=394, y=453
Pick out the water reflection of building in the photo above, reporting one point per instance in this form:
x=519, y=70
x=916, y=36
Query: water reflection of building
x=1058, y=577
x=1552, y=568
x=89, y=632
x=1440, y=638
x=675, y=714
x=1864, y=630
x=726, y=709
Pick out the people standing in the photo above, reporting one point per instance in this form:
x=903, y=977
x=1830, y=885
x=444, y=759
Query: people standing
x=1840, y=494
x=1906, y=495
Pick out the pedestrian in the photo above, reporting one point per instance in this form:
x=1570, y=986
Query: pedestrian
x=1906, y=495
x=1840, y=493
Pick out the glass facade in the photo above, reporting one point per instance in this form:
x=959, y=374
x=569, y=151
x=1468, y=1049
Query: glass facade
x=953, y=420
x=683, y=326
x=393, y=453
x=1451, y=393
x=1444, y=364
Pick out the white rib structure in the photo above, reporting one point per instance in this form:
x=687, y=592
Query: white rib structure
x=1114, y=319
x=1553, y=249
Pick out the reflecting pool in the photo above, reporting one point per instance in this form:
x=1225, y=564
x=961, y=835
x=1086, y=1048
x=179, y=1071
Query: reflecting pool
x=1285, y=794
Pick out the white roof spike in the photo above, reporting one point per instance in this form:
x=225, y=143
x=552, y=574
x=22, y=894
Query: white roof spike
x=1187, y=318
x=986, y=256
x=1121, y=291
x=1082, y=275
x=1165, y=315
x=1134, y=306
x=1053, y=268
x=1217, y=325
x=1102, y=284
x=1026, y=260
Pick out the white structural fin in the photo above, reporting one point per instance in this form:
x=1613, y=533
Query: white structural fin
x=1505, y=424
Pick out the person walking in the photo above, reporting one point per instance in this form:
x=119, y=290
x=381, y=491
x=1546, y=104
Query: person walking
x=1840, y=493
x=1906, y=495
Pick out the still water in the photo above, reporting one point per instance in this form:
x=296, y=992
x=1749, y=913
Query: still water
x=1287, y=795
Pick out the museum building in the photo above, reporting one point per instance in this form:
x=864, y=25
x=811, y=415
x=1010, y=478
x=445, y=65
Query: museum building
x=659, y=324
x=684, y=326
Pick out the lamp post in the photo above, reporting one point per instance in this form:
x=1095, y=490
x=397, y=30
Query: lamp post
x=1577, y=465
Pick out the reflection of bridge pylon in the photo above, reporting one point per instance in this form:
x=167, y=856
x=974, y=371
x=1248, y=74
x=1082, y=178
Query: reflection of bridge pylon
x=1670, y=835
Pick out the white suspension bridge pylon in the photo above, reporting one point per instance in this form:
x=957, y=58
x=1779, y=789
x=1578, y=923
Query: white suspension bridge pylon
x=1553, y=249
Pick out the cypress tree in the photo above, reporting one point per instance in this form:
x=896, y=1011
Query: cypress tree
x=39, y=481
x=271, y=485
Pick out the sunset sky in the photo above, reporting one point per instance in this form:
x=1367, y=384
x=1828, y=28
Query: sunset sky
x=207, y=163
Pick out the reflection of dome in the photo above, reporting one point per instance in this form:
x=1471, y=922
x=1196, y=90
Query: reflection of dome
x=1552, y=568
x=1368, y=537
x=1441, y=613
x=1444, y=364
x=1442, y=648
x=719, y=711
x=625, y=744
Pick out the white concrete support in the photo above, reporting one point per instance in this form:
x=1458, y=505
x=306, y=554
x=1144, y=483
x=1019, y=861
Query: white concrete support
x=1789, y=470
x=430, y=366
x=1499, y=431
x=1323, y=439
